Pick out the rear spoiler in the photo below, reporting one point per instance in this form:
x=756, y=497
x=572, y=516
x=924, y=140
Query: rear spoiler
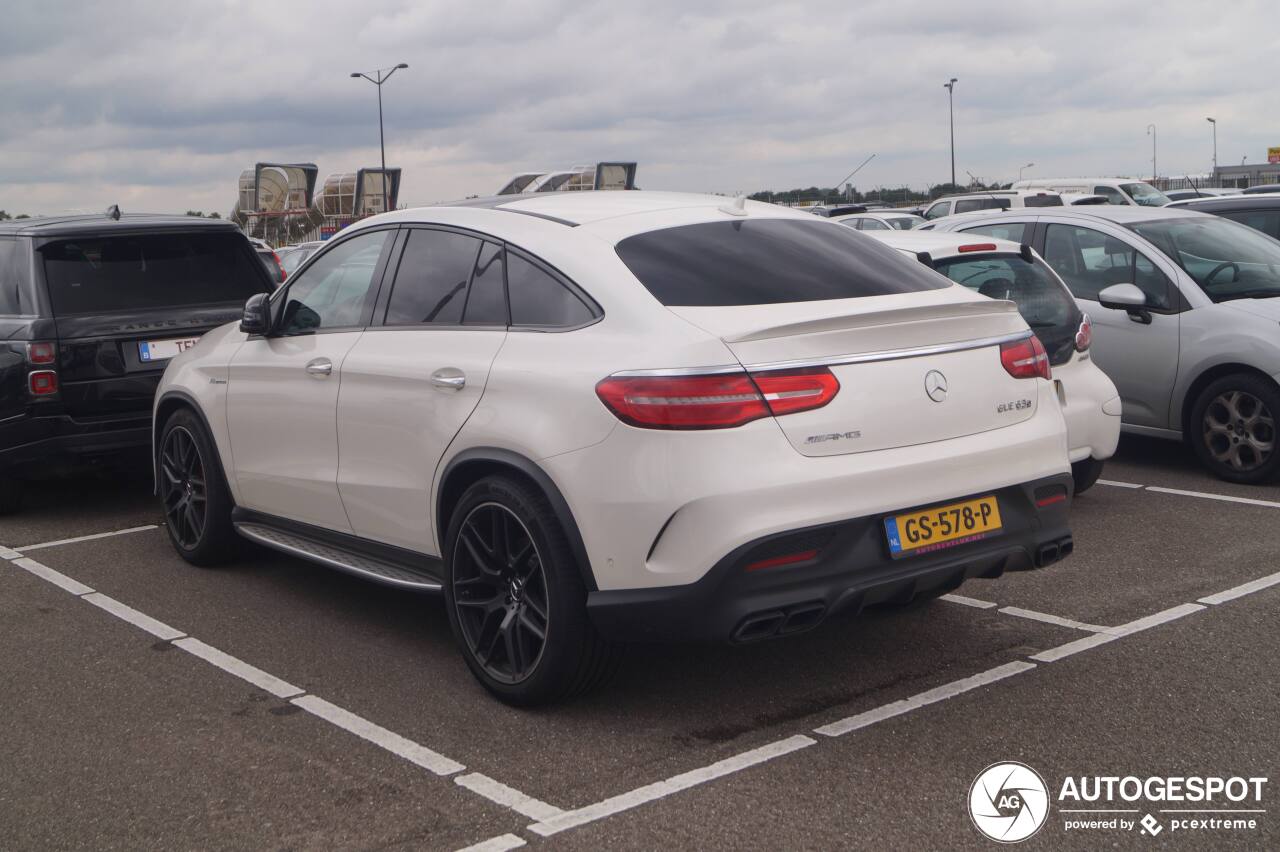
x=1024, y=251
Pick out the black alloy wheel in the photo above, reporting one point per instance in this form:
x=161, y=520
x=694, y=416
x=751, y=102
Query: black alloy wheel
x=500, y=593
x=184, y=487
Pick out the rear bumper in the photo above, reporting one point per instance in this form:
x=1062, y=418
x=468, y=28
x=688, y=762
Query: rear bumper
x=57, y=439
x=1091, y=409
x=853, y=569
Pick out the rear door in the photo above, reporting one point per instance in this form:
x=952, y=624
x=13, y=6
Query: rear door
x=412, y=380
x=126, y=304
x=1139, y=352
x=282, y=393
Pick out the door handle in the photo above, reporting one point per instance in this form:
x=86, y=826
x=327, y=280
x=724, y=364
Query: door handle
x=319, y=367
x=449, y=378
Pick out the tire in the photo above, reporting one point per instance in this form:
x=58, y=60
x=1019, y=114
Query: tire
x=193, y=493
x=10, y=493
x=1233, y=428
x=1085, y=473
x=510, y=575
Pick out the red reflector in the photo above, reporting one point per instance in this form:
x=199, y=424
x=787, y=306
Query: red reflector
x=1049, y=501
x=683, y=402
x=977, y=247
x=42, y=382
x=778, y=561
x=1025, y=359
x=41, y=353
x=789, y=391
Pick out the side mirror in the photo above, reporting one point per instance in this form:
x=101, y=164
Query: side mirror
x=1126, y=297
x=257, y=314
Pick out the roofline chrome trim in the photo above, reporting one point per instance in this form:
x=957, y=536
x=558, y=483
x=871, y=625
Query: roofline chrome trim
x=833, y=361
x=892, y=354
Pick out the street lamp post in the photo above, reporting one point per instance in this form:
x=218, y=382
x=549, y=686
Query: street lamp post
x=381, y=76
x=1020, y=168
x=1214, y=122
x=1151, y=131
x=950, y=86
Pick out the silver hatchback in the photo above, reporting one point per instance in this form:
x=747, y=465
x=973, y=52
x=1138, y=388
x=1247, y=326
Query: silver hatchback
x=1186, y=311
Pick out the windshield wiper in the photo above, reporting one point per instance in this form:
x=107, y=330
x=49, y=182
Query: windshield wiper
x=1247, y=294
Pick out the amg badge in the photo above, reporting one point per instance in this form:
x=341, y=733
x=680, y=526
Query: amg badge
x=834, y=436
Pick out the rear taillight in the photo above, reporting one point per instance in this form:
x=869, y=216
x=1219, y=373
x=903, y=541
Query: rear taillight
x=42, y=382
x=1025, y=359
x=716, y=401
x=41, y=352
x=1084, y=335
x=977, y=247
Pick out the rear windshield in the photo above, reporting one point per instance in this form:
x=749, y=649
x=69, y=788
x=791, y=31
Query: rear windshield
x=1045, y=200
x=107, y=274
x=1042, y=299
x=767, y=261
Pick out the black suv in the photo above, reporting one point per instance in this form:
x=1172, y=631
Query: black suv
x=91, y=310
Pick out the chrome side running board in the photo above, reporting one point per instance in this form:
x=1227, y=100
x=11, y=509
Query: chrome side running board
x=335, y=557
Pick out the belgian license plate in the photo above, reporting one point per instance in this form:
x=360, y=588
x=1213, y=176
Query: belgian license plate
x=163, y=350
x=942, y=526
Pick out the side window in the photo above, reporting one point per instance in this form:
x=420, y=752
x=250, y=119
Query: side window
x=13, y=274
x=873, y=225
x=487, y=299
x=1089, y=261
x=1015, y=231
x=1266, y=221
x=432, y=278
x=1113, y=195
x=338, y=289
x=539, y=299
x=937, y=211
x=969, y=204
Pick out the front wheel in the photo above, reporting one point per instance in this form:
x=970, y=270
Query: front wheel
x=197, y=503
x=515, y=598
x=1233, y=428
x=1085, y=473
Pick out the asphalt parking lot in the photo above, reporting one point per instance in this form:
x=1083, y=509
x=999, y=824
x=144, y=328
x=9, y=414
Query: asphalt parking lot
x=274, y=704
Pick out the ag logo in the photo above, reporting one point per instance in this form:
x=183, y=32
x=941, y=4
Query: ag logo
x=1008, y=802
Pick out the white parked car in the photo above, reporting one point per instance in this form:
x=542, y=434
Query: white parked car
x=1185, y=308
x=1001, y=269
x=994, y=199
x=601, y=416
x=1119, y=191
x=880, y=220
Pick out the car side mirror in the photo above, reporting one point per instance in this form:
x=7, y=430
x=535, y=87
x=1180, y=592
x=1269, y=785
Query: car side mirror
x=257, y=314
x=1126, y=297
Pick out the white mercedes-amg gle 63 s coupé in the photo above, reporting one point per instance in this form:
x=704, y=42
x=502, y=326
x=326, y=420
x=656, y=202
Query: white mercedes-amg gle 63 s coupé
x=598, y=417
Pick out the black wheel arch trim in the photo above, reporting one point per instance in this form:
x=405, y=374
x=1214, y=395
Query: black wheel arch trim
x=188, y=402
x=544, y=483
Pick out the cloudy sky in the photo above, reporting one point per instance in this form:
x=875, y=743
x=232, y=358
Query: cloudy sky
x=159, y=105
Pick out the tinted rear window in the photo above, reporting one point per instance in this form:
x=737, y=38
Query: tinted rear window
x=768, y=261
x=106, y=274
x=1043, y=201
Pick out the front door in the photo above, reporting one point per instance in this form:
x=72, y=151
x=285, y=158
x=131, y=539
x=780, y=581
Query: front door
x=1140, y=357
x=283, y=388
x=412, y=380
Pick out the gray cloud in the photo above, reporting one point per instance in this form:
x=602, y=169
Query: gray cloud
x=159, y=105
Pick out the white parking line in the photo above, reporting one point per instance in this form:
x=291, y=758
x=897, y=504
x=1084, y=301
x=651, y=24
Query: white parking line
x=932, y=696
x=1243, y=589
x=1226, y=498
x=1058, y=620
x=138, y=619
x=1163, y=617
x=239, y=668
x=80, y=538
x=500, y=843
x=964, y=601
x=1115, y=484
x=657, y=790
x=496, y=791
x=8, y=553
x=62, y=581
x=379, y=736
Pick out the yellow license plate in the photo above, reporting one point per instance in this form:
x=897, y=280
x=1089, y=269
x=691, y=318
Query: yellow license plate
x=942, y=526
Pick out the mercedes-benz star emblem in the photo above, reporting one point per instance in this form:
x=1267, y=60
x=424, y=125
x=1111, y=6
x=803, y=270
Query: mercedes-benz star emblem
x=935, y=385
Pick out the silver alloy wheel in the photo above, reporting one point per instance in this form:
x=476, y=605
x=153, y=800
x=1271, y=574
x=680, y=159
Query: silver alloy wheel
x=1239, y=430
